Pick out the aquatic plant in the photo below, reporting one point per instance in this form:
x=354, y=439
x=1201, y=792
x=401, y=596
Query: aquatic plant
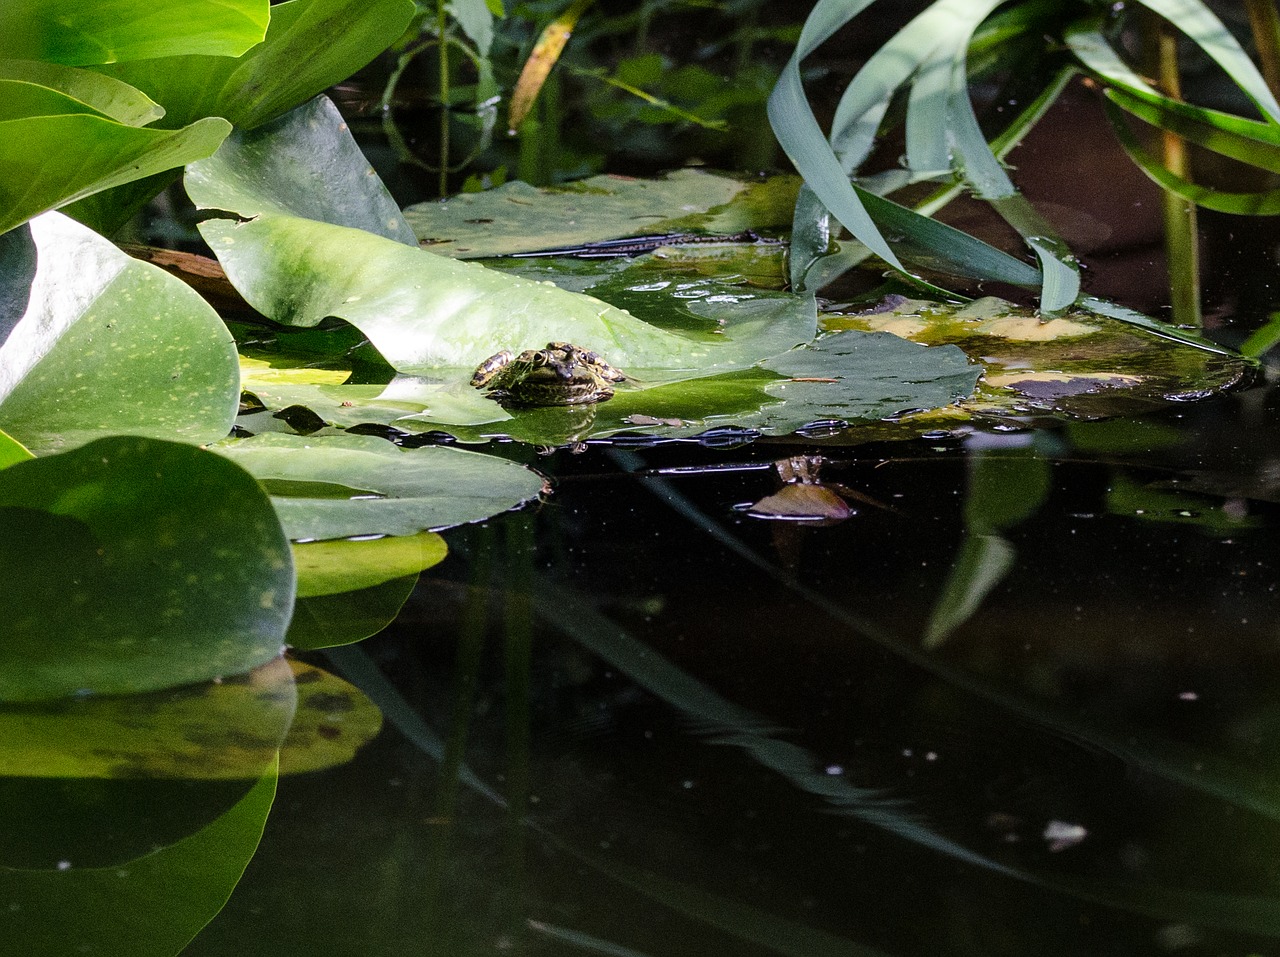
x=954, y=53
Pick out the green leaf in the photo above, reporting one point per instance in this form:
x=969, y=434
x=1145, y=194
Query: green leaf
x=132, y=564
x=111, y=31
x=1203, y=27
x=874, y=376
x=428, y=314
x=305, y=164
x=1240, y=204
x=151, y=907
x=398, y=491
x=41, y=173
x=48, y=89
x=309, y=46
x=11, y=451
x=329, y=568
x=516, y=217
x=112, y=345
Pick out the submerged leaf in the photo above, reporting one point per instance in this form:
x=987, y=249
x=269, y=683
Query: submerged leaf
x=1083, y=363
x=151, y=907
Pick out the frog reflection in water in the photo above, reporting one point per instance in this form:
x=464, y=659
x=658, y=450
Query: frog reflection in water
x=560, y=374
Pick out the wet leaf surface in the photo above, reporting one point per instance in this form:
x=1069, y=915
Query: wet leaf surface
x=517, y=217
x=110, y=345
x=406, y=490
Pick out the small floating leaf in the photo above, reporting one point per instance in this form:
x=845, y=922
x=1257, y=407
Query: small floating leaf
x=409, y=490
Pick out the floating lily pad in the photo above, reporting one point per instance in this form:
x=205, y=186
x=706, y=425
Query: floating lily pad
x=1083, y=363
x=132, y=564
x=332, y=567
x=110, y=345
x=517, y=217
x=342, y=486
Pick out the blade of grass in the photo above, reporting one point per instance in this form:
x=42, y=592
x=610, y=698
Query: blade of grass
x=1240, y=204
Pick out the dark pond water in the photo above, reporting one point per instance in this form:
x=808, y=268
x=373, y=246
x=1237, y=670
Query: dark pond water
x=688, y=731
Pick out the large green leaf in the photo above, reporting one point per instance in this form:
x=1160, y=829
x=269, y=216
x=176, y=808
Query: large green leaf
x=111, y=31
x=112, y=345
x=309, y=46
x=305, y=164
x=133, y=564
x=32, y=88
x=341, y=486
x=41, y=173
x=151, y=907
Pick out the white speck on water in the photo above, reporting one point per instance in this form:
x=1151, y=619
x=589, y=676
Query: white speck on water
x=835, y=770
x=1062, y=835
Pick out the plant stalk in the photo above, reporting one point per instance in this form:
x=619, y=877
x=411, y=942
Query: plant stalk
x=1181, y=218
x=442, y=24
x=1264, y=21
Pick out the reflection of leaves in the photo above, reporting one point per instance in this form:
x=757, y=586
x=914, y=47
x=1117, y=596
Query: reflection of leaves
x=231, y=729
x=151, y=907
x=133, y=564
x=393, y=491
x=111, y=345
x=333, y=719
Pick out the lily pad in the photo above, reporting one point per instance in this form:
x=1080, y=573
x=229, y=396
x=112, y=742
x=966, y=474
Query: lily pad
x=1083, y=363
x=332, y=567
x=342, y=486
x=133, y=564
x=110, y=345
x=517, y=217
x=150, y=907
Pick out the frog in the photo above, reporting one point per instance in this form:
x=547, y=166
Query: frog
x=561, y=374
